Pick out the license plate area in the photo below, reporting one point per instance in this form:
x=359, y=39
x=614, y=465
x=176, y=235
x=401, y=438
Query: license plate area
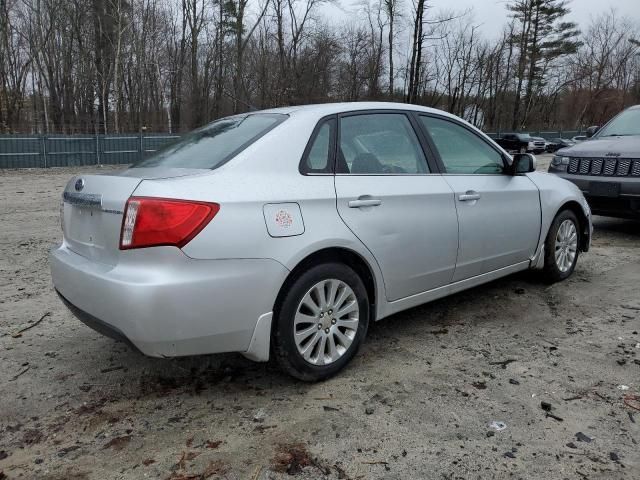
x=84, y=225
x=604, y=189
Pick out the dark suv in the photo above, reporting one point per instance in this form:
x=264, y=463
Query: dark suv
x=606, y=167
x=521, y=143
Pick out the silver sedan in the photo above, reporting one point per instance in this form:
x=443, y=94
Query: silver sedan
x=285, y=232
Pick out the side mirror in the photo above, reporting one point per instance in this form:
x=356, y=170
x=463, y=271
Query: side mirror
x=523, y=163
x=591, y=131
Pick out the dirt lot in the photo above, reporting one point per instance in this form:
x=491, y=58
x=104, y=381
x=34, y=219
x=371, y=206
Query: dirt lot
x=416, y=403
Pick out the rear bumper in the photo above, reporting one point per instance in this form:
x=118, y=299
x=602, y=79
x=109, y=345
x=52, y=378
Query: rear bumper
x=624, y=203
x=167, y=304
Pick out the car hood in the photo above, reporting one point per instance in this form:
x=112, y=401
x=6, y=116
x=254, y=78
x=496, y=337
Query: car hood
x=601, y=147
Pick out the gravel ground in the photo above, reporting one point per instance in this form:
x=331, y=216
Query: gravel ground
x=417, y=402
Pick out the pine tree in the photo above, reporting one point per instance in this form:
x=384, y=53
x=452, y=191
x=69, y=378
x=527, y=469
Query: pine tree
x=543, y=37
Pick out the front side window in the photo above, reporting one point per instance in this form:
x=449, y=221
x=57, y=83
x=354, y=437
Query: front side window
x=461, y=151
x=379, y=143
x=214, y=144
x=625, y=124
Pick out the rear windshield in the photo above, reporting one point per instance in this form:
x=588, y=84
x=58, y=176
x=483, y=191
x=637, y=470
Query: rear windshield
x=625, y=124
x=214, y=144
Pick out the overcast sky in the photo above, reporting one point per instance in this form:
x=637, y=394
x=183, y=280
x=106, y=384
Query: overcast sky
x=492, y=14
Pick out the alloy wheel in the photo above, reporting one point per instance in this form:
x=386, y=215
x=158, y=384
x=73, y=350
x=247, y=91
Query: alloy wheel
x=566, y=245
x=326, y=322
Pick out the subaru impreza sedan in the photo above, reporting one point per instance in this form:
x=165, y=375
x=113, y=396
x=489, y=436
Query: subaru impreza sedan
x=283, y=233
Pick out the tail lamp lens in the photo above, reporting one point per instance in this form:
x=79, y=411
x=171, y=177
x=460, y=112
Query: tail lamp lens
x=150, y=222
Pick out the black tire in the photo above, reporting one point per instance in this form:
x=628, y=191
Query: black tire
x=551, y=271
x=283, y=343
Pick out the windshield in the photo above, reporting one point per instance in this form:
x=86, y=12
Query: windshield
x=214, y=144
x=626, y=123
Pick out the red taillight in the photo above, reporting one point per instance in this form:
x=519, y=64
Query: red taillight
x=150, y=222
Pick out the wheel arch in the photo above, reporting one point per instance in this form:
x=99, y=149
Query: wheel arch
x=578, y=210
x=333, y=254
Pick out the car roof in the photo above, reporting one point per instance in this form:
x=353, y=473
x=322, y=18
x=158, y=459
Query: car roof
x=323, y=109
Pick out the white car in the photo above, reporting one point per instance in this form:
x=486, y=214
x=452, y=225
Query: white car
x=285, y=232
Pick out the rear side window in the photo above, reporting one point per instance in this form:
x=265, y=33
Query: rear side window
x=318, y=155
x=379, y=143
x=214, y=144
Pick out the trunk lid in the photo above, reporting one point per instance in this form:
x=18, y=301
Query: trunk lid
x=93, y=209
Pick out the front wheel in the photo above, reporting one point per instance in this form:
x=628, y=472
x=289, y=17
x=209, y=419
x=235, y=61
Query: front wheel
x=321, y=322
x=562, y=247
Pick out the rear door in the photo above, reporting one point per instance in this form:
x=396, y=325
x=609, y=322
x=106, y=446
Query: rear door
x=390, y=197
x=498, y=213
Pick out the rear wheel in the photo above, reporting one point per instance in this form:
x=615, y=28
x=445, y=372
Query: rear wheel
x=321, y=322
x=562, y=247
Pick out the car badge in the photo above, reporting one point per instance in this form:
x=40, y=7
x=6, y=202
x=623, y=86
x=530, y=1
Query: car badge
x=79, y=184
x=612, y=154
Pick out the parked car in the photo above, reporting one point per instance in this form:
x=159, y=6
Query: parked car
x=540, y=145
x=286, y=232
x=558, y=143
x=520, y=142
x=607, y=167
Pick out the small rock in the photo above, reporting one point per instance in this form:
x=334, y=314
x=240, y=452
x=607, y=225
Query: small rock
x=38, y=461
x=513, y=381
x=583, y=438
x=259, y=416
x=369, y=410
x=546, y=406
x=614, y=456
x=621, y=361
x=520, y=291
x=572, y=445
x=490, y=433
x=498, y=426
x=510, y=455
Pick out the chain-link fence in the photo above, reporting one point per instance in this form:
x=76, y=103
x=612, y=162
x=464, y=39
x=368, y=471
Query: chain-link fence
x=37, y=151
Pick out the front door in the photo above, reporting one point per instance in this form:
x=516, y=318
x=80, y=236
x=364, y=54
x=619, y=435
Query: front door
x=389, y=197
x=498, y=213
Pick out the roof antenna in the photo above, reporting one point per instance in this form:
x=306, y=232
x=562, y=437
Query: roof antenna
x=248, y=105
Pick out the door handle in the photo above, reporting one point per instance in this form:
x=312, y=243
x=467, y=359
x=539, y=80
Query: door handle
x=469, y=196
x=369, y=202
